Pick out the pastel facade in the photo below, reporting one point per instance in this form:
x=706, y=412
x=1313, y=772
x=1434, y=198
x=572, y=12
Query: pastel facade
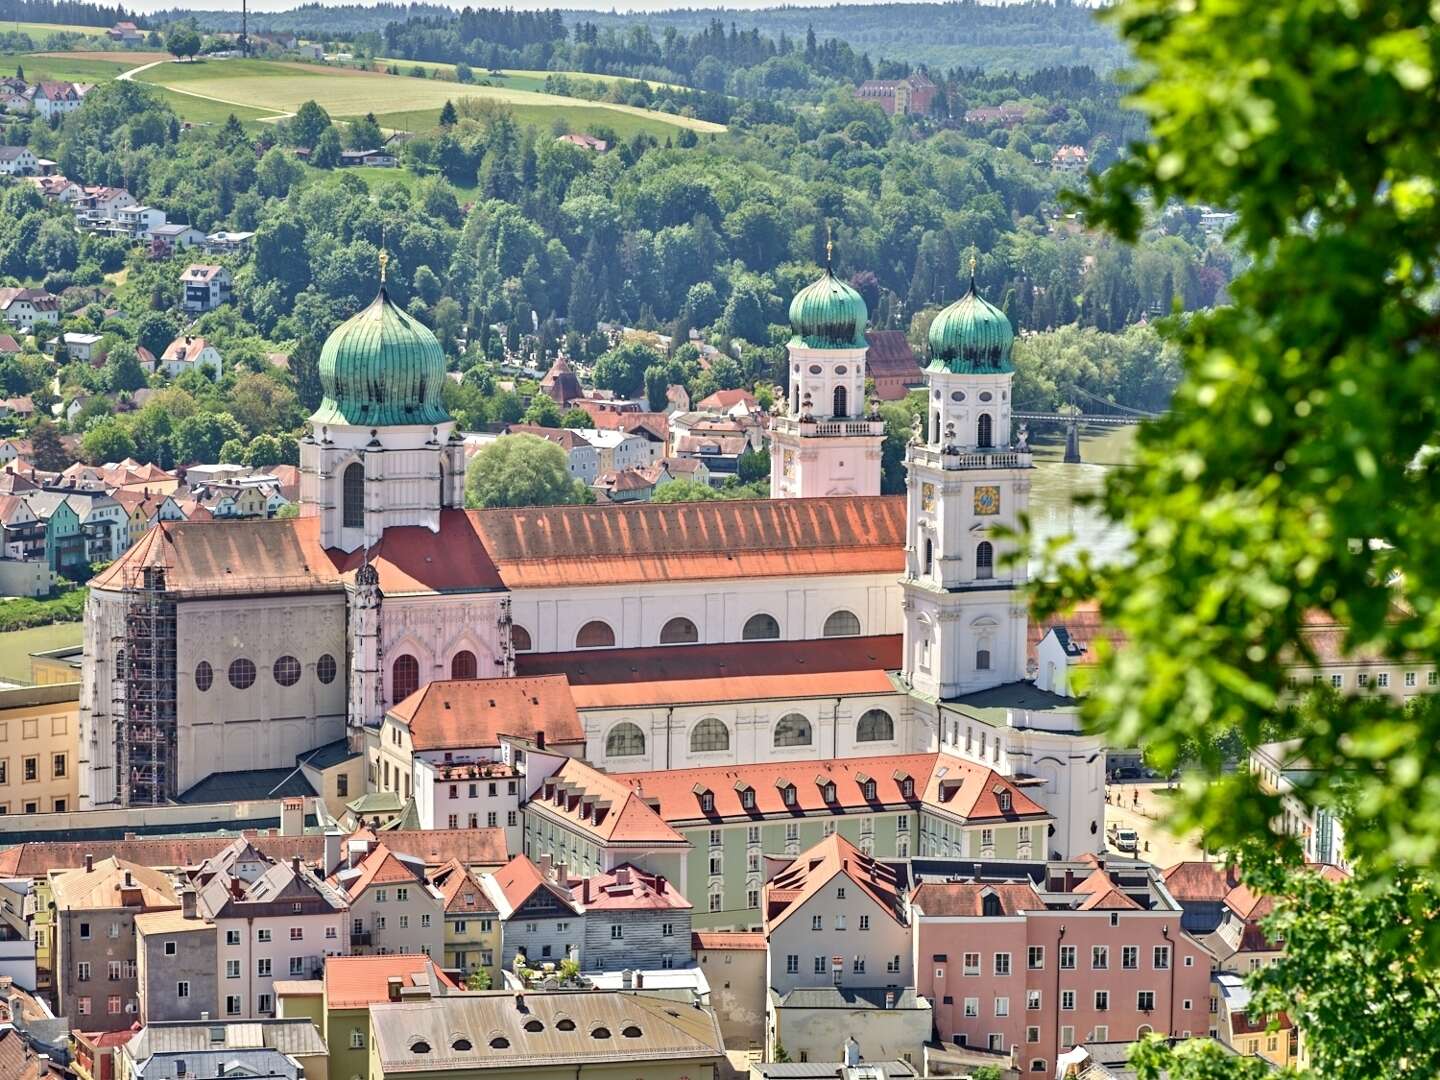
x=39, y=748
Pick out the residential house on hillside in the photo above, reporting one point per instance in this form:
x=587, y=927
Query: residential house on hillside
x=66, y=546
x=126, y=33
x=170, y=237
x=26, y=308
x=204, y=287
x=58, y=98
x=581, y=457
x=188, y=353
x=393, y=907
x=624, y=485
x=95, y=911
x=1070, y=159
x=540, y=921
x=17, y=161
x=911, y=96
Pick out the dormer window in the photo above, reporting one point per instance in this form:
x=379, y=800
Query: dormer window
x=707, y=799
x=827, y=792
x=787, y=794
x=747, y=798
x=1004, y=797
x=907, y=788
x=867, y=789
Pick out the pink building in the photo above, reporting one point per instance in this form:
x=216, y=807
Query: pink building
x=1034, y=958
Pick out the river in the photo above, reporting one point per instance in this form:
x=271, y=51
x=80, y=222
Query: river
x=1055, y=484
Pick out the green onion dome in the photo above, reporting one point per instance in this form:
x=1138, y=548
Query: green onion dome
x=829, y=314
x=381, y=367
x=971, y=337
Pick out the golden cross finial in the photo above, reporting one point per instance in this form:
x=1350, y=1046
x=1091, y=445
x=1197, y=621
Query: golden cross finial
x=972, y=265
x=829, y=246
x=384, y=262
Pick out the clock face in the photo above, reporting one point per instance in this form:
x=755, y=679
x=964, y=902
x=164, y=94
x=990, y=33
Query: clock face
x=987, y=499
x=927, y=497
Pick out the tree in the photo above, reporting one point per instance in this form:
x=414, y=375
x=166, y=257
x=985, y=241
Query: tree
x=622, y=369
x=684, y=490
x=479, y=979
x=48, y=451
x=155, y=331
x=544, y=412
x=1293, y=481
x=107, y=441
x=276, y=173
x=264, y=451
x=326, y=154
x=576, y=418
x=448, y=117
x=183, y=42
x=233, y=452
x=521, y=470
x=753, y=465
x=308, y=124
x=122, y=372
x=201, y=436
x=364, y=133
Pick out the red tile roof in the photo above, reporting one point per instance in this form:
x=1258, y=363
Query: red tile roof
x=356, y=981
x=380, y=867
x=941, y=783
x=891, y=357
x=585, y=545
x=967, y=898
x=518, y=879
x=731, y=671
x=611, y=419
x=34, y=860
x=717, y=940
x=608, y=808
x=628, y=888
x=812, y=870
x=469, y=713
x=1191, y=881
x=724, y=400
x=461, y=892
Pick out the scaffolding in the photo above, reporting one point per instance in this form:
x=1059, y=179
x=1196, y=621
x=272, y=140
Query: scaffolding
x=145, y=730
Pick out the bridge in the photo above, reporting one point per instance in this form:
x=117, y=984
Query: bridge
x=1117, y=416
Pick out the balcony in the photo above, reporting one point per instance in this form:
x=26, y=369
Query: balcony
x=791, y=425
x=953, y=459
x=359, y=939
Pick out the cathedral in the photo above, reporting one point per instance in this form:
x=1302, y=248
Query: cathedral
x=828, y=621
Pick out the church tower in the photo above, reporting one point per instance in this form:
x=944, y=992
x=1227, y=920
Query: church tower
x=968, y=481
x=382, y=451
x=824, y=443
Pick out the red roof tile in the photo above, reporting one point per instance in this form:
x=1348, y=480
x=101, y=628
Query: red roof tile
x=356, y=981
x=732, y=671
x=628, y=888
x=1191, y=881
x=606, y=807
x=462, y=714
x=461, y=892
x=812, y=870
x=518, y=879
x=718, y=940
x=967, y=898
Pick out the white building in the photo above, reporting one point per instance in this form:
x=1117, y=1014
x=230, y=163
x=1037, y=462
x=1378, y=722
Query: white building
x=81, y=346
x=393, y=908
x=26, y=308
x=188, y=353
x=58, y=98
x=204, y=287
x=17, y=161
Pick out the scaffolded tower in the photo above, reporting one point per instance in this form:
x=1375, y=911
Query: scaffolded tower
x=145, y=732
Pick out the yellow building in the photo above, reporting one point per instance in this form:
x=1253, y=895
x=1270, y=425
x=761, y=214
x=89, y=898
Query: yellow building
x=599, y=1035
x=56, y=665
x=39, y=748
x=472, y=925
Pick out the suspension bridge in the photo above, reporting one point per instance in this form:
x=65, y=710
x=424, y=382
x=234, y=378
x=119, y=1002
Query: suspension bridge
x=1072, y=417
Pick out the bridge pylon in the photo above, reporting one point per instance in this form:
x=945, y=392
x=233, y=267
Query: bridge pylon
x=1072, y=442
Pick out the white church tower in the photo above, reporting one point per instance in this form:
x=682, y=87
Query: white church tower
x=824, y=443
x=382, y=451
x=965, y=620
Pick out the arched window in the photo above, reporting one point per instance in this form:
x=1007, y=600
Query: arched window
x=353, y=496
x=761, y=627
x=595, y=635
x=982, y=659
x=842, y=401
x=984, y=430
x=792, y=729
x=875, y=726
x=520, y=638
x=709, y=734
x=463, y=665
x=841, y=623
x=984, y=560
x=929, y=556
x=625, y=740
x=990, y=905
x=679, y=631
x=404, y=677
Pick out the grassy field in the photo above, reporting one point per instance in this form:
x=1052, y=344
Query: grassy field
x=64, y=67
x=511, y=78
x=39, y=29
x=578, y=118
x=284, y=87
x=17, y=645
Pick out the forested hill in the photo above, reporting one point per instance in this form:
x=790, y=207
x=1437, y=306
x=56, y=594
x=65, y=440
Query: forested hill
x=1019, y=37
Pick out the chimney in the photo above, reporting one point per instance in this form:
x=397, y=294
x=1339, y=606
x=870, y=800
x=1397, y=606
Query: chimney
x=639, y=980
x=660, y=884
x=627, y=979
x=295, y=865
x=89, y=863
x=204, y=1016
x=540, y=739
x=622, y=876
x=187, y=902
x=392, y=987
x=129, y=880
x=520, y=1003
x=333, y=839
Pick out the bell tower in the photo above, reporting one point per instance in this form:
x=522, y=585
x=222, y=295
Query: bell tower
x=382, y=451
x=968, y=481
x=825, y=442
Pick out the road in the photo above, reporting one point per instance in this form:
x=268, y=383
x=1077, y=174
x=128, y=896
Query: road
x=1142, y=807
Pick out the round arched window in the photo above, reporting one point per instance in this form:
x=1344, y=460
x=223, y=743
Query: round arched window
x=499, y=1042
x=630, y=1031
x=841, y=623
x=709, y=734
x=461, y=1044
x=595, y=635
x=565, y=1024
x=792, y=730
x=242, y=673
x=534, y=1026
x=679, y=631
x=520, y=638
x=286, y=671
x=204, y=676
x=404, y=677
x=761, y=627
x=325, y=668
x=625, y=740
x=600, y=1033
x=875, y=726
x=463, y=665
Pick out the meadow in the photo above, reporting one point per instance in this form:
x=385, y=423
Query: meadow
x=39, y=29
x=17, y=645
x=512, y=78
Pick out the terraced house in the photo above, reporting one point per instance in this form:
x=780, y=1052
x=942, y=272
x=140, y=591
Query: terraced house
x=472, y=925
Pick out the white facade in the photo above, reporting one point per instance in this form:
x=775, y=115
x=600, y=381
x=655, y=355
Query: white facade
x=824, y=445
x=17, y=161
x=468, y=797
x=253, y=952
x=839, y=936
